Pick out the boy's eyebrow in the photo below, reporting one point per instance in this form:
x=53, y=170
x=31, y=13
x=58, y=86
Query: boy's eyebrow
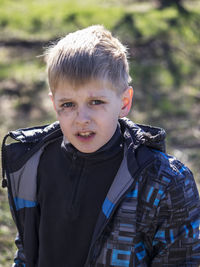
x=90, y=97
x=64, y=99
x=97, y=96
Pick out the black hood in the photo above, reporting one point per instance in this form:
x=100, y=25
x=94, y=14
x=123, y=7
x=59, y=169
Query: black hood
x=137, y=135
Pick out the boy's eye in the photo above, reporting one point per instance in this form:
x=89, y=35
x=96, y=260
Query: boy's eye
x=96, y=102
x=68, y=105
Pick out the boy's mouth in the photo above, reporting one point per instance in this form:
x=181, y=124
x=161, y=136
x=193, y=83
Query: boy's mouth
x=85, y=134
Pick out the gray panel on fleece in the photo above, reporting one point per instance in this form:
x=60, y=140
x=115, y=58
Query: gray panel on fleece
x=121, y=183
x=24, y=181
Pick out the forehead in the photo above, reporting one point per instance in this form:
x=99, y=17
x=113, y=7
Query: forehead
x=91, y=88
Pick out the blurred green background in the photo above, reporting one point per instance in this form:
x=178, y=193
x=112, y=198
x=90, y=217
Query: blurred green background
x=163, y=38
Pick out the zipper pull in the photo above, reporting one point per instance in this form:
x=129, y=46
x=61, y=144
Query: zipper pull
x=74, y=156
x=4, y=183
x=3, y=157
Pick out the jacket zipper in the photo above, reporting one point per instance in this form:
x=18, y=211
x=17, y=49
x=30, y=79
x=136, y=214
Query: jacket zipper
x=92, y=261
x=74, y=157
x=78, y=182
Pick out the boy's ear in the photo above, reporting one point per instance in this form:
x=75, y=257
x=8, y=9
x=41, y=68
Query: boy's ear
x=52, y=99
x=127, y=97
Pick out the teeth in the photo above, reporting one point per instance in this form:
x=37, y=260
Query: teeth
x=85, y=134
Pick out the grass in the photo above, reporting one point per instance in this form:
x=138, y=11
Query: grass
x=42, y=22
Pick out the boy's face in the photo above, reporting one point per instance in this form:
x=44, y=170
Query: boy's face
x=88, y=115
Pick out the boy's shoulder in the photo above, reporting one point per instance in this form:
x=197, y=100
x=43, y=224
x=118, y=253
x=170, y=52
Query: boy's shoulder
x=169, y=181
x=27, y=141
x=147, y=147
x=36, y=133
x=169, y=168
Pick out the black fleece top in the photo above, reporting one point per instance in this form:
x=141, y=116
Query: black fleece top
x=71, y=189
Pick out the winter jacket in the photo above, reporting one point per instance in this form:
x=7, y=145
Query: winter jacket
x=150, y=216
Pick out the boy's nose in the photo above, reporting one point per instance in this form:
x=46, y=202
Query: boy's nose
x=82, y=117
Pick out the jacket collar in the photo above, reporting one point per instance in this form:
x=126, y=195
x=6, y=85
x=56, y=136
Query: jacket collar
x=134, y=134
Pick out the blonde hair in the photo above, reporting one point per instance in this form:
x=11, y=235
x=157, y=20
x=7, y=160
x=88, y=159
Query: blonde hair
x=87, y=54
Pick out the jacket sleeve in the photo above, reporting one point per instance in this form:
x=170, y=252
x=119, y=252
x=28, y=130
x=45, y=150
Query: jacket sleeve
x=27, y=253
x=176, y=241
x=19, y=260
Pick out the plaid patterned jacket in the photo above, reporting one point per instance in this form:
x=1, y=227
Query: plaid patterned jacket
x=150, y=216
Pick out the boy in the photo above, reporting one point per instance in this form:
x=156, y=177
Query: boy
x=95, y=189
